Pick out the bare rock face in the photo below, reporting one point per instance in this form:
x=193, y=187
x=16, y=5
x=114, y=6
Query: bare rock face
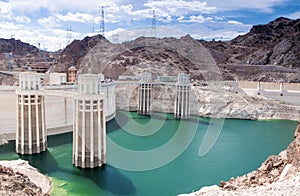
x=19, y=178
x=267, y=53
x=74, y=53
x=14, y=183
x=16, y=47
x=271, y=49
x=293, y=150
x=7, y=80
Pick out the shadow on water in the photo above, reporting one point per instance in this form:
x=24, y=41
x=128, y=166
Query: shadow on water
x=43, y=161
x=9, y=147
x=105, y=177
x=60, y=139
x=111, y=179
x=114, y=124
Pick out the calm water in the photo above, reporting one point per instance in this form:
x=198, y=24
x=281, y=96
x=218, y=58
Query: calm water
x=147, y=146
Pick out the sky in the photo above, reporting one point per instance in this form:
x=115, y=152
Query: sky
x=52, y=24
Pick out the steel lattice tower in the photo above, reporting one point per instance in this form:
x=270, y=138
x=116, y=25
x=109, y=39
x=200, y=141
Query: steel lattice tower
x=153, y=29
x=102, y=22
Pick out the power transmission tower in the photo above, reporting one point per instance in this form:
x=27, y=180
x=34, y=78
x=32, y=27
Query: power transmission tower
x=102, y=22
x=69, y=35
x=153, y=29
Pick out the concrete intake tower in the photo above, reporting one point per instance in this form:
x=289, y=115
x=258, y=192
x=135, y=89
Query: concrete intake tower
x=145, y=95
x=89, y=129
x=31, y=134
x=182, y=108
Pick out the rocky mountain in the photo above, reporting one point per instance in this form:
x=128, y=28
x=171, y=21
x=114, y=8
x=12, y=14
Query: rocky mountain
x=16, y=55
x=269, y=52
x=16, y=47
x=276, y=43
x=74, y=53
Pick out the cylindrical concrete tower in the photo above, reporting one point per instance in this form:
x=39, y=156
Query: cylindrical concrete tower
x=145, y=95
x=182, y=100
x=31, y=134
x=89, y=130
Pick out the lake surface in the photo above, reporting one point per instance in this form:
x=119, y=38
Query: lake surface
x=160, y=156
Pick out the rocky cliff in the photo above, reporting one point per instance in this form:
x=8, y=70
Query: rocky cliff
x=272, y=49
x=275, y=43
x=74, y=53
x=16, y=47
x=16, y=55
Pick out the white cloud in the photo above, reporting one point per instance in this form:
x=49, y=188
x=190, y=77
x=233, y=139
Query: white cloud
x=121, y=35
x=29, y=6
x=234, y=22
x=22, y=19
x=49, y=22
x=194, y=19
x=295, y=15
x=77, y=17
x=179, y=7
x=5, y=8
x=261, y=5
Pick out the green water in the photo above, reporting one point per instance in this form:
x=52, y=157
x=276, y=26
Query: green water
x=241, y=147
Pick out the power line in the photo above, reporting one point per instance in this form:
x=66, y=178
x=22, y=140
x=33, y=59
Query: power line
x=153, y=29
x=102, y=22
x=69, y=35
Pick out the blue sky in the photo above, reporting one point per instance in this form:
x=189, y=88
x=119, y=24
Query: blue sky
x=46, y=21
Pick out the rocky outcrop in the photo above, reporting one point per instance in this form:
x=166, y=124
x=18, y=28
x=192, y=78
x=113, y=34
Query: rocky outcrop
x=7, y=80
x=267, y=53
x=278, y=174
x=293, y=150
x=271, y=49
x=74, y=53
x=275, y=43
x=19, y=178
x=16, y=47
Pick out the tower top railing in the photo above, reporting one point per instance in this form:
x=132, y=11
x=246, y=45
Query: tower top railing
x=183, y=79
x=90, y=84
x=146, y=77
x=29, y=81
